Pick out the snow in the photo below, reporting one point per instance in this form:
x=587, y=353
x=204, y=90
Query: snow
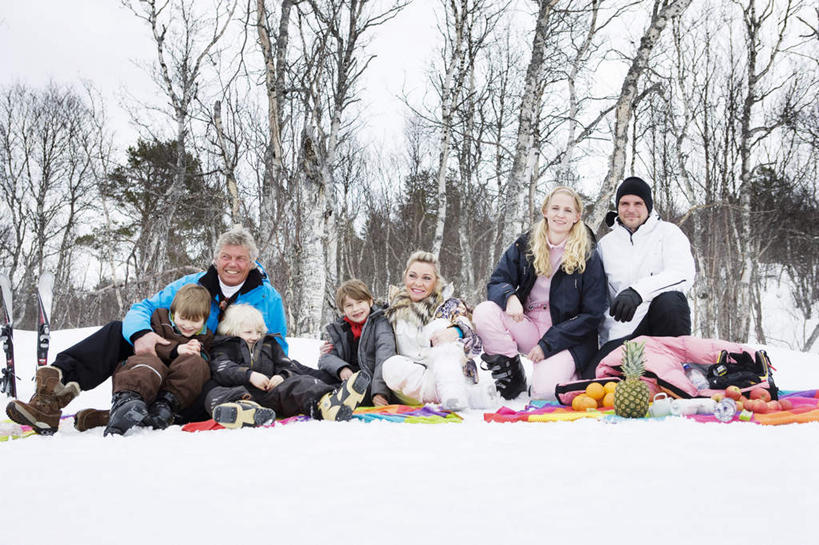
x=669, y=481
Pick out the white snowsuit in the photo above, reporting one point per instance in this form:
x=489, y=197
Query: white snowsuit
x=654, y=259
x=422, y=373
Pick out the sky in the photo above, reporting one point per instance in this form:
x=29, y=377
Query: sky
x=103, y=42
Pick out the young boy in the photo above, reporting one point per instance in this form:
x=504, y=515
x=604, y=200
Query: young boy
x=257, y=380
x=361, y=339
x=149, y=390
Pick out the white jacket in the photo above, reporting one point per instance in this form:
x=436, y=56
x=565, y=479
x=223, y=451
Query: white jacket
x=653, y=260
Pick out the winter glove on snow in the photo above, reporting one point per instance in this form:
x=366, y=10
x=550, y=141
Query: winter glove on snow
x=624, y=305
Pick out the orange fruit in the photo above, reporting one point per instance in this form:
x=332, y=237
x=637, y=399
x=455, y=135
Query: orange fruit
x=595, y=391
x=610, y=387
x=583, y=402
x=608, y=400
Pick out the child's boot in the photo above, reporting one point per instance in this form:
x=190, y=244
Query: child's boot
x=90, y=418
x=44, y=409
x=128, y=409
x=161, y=413
x=340, y=404
x=243, y=413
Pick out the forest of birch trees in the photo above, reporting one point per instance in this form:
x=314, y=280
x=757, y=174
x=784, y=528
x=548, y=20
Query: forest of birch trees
x=259, y=121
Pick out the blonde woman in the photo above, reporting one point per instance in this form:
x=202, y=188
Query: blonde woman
x=546, y=298
x=433, y=334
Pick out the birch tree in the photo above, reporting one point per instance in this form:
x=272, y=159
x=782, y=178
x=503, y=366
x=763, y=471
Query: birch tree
x=662, y=12
x=183, y=39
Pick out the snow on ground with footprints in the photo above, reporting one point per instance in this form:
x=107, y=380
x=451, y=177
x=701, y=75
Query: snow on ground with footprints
x=658, y=481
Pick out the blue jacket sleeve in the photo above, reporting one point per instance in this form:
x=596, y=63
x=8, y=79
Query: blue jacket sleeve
x=274, y=317
x=138, y=317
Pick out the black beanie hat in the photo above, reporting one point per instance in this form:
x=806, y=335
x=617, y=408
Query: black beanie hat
x=635, y=186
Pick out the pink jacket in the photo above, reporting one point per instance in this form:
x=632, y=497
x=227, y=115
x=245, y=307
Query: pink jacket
x=664, y=357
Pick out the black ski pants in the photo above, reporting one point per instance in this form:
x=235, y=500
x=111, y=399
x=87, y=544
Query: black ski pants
x=297, y=394
x=92, y=361
x=668, y=316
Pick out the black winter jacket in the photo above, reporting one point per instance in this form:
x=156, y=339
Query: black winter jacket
x=232, y=362
x=576, y=301
x=377, y=343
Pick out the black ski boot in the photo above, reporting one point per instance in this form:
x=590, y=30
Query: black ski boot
x=510, y=380
x=162, y=412
x=128, y=409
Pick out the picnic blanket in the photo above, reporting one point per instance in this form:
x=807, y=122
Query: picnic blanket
x=805, y=409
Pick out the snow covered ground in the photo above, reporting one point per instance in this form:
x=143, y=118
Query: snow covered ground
x=671, y=481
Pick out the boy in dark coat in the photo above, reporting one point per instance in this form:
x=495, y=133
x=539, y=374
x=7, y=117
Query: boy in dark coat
x=258, y=382
x=361, y=339
x=150, y=390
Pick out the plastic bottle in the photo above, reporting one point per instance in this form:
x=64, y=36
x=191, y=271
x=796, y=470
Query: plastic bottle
x=696, y=377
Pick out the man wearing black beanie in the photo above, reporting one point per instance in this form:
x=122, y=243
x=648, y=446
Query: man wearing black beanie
x=649, y=267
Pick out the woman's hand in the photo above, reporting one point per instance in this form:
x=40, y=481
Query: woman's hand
x=259, y=380
x=345, y=373
x=379, y=400
x=325, y=348
x=514, y=309
x=443, y=336
x=274, y=381
x=535, y=354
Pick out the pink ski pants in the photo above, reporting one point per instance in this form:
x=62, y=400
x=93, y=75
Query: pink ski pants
x=502, y=335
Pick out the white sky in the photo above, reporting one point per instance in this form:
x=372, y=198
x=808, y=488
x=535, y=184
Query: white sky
x=103, y=42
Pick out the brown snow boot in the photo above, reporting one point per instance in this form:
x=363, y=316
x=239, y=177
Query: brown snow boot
x=44, y=409
x=90, y=418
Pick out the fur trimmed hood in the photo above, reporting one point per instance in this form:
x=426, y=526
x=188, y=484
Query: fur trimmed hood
x=419, y=313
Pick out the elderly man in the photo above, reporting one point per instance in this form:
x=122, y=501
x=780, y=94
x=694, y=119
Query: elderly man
x=649, y=268
x=234, y=277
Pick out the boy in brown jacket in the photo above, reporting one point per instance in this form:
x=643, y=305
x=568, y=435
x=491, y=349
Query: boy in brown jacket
x=149, y=390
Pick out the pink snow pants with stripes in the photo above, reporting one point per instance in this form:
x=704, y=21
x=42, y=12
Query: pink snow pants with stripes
x=502, y=335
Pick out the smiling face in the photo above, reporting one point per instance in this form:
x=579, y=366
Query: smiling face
x=632, y=211
x=420, y=280
x=189, y=327
x=233, y=264
x=356, y=311
x=250, y=333
x=561, y=214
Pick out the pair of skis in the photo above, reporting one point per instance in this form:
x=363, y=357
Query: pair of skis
x=45, y=290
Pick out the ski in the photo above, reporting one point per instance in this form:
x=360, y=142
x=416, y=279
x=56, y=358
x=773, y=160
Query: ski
x=8, y=383
x=45, y=292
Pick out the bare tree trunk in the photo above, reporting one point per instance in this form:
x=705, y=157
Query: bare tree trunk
x=516, y=215
x=229, y=163
x=663, y=11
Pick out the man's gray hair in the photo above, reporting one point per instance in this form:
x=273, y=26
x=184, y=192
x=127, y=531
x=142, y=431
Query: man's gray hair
x=237, y=236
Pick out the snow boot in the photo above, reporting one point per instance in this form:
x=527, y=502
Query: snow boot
x=508, y=373
x=243, y=414
x=44, y=409
x=340, y=404
x=163, y=410
x=87, y=419
x=128, y=409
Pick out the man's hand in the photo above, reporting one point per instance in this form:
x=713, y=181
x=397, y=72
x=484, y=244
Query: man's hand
x=379, y=400
x=625, y=304
x=147, y=343
x=514, y=309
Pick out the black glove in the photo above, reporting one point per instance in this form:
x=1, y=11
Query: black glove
x=624, y=305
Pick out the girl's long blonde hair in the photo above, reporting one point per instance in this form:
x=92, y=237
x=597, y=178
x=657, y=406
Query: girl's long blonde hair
x=578, y=243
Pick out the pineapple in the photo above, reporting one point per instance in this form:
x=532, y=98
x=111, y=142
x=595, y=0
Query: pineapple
x=632, y=395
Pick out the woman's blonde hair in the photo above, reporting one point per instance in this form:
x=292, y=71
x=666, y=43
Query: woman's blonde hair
x=420, y=256
x=239, y=315
x=578, y=243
